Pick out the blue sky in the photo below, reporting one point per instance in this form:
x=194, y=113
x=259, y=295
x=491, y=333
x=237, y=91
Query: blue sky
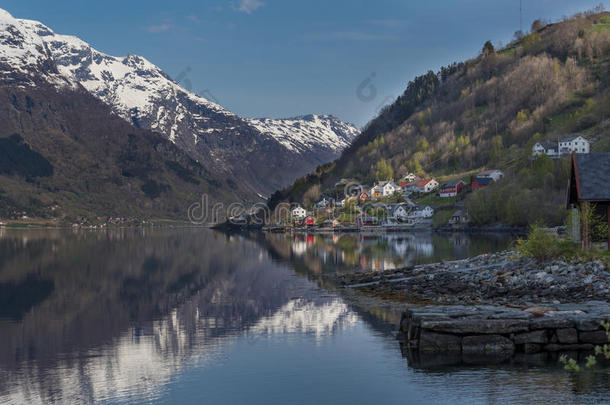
x=281, y=58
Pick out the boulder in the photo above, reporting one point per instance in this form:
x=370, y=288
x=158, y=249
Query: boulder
x=478, y=326
x=597, y=337
x=537, y=336
x=567, y=335
x=487, y=344
x=547, y=322
x=587, y=323
x=430, y=342
x=512, y=315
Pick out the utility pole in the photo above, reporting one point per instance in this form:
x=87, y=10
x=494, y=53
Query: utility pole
x=521, y=15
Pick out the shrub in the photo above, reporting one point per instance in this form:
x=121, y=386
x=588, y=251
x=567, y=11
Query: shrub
x=539, y=245
x=602, y=351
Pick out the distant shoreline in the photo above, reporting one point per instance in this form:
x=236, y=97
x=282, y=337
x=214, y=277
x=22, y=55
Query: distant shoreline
x=38, y=223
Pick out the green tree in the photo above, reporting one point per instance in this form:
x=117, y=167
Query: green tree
x=543, y=165
x=414, y=166
x=488, y=48
x=496, y=149
x=423, y=145
x=522, y=116
x=384, y=171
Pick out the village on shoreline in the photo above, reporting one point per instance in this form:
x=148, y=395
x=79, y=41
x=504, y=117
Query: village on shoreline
x=386, y=206
x=413, y=202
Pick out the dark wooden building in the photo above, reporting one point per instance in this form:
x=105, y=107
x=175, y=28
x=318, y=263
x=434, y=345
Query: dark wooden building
x=589, y=187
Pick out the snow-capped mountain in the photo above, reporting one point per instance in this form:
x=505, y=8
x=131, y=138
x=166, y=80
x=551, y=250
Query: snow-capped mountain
x=308, y=132
x=262, y=155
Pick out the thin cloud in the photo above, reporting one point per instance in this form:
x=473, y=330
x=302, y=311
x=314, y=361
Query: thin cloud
x=159, y=28
x=194, y=18
x=248, y=6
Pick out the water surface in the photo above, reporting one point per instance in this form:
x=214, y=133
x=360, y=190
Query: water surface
x=194, y=316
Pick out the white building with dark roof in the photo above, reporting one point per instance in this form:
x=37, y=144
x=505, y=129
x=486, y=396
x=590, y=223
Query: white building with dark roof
x=565, y=146
x=576, y=144
x=545, y=148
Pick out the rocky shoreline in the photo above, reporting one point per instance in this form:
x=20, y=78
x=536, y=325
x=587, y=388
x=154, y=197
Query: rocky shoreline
x=480, y=334
x=499, y=278
x=493, y=307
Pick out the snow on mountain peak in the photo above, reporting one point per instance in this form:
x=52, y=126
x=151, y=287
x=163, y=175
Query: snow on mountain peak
x=308, y=132
x=125, y=82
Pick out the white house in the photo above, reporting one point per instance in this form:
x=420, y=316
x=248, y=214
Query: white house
x=491, y=174
x=409, y=178
x=576, y=144
x=422, y=212
x=427, y=186
x=545, y=148
x=459, y=217
x=385, y=189
x=397, y=212
x=298, y=212
x=389, y=188
x=323, y=203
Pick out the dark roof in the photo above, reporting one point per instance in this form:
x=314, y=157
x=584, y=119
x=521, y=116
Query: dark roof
x=452, y=184
x=592, y=174
x=484, y=180
x=569, y=139
x=549, y=145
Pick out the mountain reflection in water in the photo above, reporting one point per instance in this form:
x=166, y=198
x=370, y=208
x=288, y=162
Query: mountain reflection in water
x=123, y=311
x=196, y=316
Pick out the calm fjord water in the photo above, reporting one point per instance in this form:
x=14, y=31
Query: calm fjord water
x=184, y=316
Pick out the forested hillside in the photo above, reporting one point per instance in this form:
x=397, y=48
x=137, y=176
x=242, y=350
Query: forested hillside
x=487, y=113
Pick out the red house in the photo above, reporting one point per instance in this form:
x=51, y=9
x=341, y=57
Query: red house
x=480, y=182
x=451, y=189
x=310, y=221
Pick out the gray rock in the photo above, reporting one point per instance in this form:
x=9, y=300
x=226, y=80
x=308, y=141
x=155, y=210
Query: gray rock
x=547, y=322
x=587, y=323
x=482, y=326
x=567, y=335
x=487, y=344
x=597, y=337
x=512, y=315
x=430, y=342
x=537, y=336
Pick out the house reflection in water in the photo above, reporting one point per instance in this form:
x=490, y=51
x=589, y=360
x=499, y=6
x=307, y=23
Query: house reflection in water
x=350, y=252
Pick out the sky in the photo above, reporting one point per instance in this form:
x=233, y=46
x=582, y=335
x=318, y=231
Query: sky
x=283, y=58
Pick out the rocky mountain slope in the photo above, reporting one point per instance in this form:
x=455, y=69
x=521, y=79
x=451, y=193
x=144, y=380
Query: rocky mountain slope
x=260, y=155
x=65, y=155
